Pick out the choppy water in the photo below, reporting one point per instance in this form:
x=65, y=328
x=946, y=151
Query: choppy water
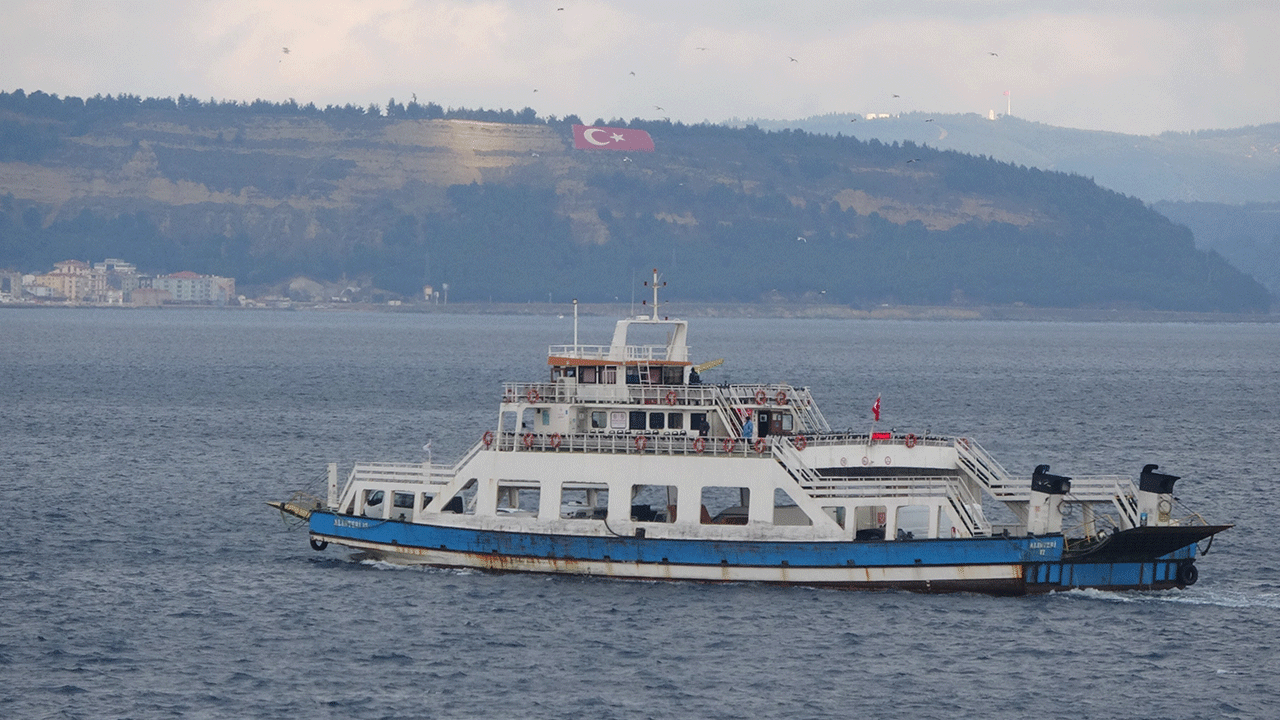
x=142, y=576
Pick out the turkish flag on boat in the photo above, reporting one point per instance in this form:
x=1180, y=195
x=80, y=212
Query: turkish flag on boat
x=875, y=409
x=607, y=138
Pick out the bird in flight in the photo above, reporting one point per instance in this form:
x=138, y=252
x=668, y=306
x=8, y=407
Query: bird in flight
x=929, y=120
x=913, y=160
x=285, y=50
x=994, y=54
x=701, y=48
x=792, y=59
x=658, y=107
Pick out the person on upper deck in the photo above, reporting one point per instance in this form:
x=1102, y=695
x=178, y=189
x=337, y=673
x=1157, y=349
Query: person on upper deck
x=748, y=430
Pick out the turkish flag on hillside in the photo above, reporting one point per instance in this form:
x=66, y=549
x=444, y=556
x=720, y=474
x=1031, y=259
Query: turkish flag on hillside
x=607, y=138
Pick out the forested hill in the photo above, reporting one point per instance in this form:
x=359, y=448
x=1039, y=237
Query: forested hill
x=500, y=206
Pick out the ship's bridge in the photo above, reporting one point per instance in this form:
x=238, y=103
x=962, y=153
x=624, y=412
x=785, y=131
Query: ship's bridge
x=675, y=351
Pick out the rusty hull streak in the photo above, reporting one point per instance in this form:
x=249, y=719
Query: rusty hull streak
x=498, y=563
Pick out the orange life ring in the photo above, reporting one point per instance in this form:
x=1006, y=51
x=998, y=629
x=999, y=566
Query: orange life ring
x=488, y=438
x=801, y=442
x=759, y=445
x=528, y=440
x=911, y=440
x=555, y=441
x=781, y=397
x=699, y=444
x=641, y=442
x=761, y=397
x=533, y=395
x=672, y=397
x=729, y=444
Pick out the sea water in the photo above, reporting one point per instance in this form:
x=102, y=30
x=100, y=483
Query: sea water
x=142, y=575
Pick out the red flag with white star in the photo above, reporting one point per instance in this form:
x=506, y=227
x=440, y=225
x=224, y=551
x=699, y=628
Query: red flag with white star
x=607, y=138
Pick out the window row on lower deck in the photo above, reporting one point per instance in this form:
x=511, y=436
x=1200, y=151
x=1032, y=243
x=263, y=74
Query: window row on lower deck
x=654, y=503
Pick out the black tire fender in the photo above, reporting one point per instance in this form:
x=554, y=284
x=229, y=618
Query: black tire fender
x=1188, y=574
x=317, y=544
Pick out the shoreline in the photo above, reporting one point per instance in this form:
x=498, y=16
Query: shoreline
x=732, y=310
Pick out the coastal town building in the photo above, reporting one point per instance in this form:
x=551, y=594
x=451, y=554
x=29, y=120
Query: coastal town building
x=189, y=287
x=116, y=282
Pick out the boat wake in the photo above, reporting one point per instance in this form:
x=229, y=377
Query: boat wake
x=1216, y=598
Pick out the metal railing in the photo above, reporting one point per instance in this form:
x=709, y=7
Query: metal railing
x=669, y=443
x=632, y=353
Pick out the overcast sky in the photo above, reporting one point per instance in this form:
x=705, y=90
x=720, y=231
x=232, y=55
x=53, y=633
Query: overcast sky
x=1131, y=66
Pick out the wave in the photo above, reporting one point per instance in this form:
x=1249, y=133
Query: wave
x=1219, y=598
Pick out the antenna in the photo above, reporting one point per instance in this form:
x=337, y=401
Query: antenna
x=575, y=324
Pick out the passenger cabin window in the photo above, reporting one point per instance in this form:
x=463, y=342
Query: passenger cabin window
x=913, y=522
x=589, y=375
x=657, y=420
x=786, y=512
x=599, y=420
x=403, y=500
x=869, y=522
x=618, y=420
x=521, y=498
x=675, y=421
x=637, y=420
x=465, y=501
x=653, y=503
x=584, y=504
x=725, y=505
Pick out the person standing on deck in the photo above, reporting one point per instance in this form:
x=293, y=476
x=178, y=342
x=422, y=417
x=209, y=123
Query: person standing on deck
x=748, y=430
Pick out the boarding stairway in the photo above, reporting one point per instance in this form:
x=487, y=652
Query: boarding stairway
x=1117, y=490
x=964, y=502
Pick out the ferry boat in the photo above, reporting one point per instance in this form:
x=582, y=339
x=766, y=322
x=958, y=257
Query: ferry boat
x=624, y=463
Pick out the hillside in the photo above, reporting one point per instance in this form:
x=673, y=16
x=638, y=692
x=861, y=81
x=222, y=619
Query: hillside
x=509, y=211
x=1210, y=166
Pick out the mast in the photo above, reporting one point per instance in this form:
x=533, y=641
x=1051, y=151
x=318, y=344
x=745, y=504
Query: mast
x=655, y=287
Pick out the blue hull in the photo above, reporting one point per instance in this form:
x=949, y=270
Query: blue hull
x=998, y=565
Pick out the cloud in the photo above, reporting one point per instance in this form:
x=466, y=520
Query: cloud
x=1140, y=67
